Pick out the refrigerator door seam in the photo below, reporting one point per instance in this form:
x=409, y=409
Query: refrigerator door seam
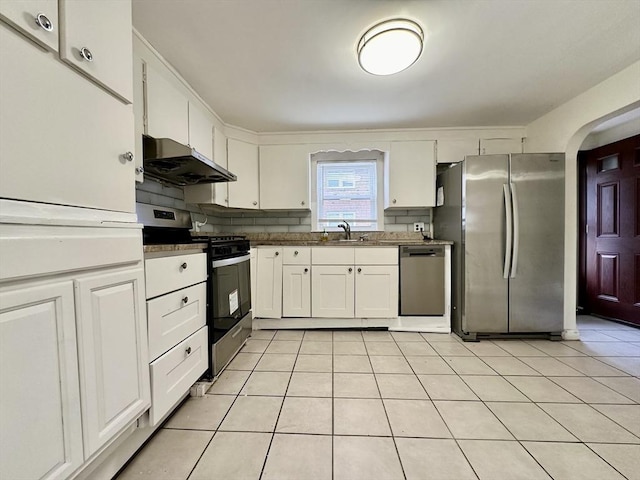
x=508, y=230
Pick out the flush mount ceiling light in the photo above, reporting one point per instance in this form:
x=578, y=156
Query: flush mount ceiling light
x=390, y=46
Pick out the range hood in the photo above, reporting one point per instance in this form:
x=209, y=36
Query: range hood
x=172, y=162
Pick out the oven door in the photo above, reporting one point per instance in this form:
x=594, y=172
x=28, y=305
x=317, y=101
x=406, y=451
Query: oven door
x=230, y=294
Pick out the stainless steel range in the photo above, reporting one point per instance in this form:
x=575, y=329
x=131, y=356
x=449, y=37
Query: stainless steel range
x=228, y=284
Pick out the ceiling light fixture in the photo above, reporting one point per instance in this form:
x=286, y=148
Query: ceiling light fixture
x=390, y=46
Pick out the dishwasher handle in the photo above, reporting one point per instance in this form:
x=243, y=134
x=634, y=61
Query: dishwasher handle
x=421, y=251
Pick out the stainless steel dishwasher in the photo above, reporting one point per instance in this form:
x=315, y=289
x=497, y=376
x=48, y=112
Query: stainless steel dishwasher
x=422, y=280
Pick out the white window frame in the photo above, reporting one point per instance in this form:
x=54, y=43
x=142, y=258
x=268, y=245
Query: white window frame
x=362, y=155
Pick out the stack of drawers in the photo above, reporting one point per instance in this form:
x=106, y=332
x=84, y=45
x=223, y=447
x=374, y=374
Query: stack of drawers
x=178, y=338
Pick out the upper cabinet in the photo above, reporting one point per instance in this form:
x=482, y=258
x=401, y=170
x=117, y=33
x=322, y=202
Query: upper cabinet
x=96, y=38
x=243, y=162
x=454, y=150
x=201, y=130
x=490, y=146
x=167, y=108
x=284, y=177
x=37, y=19
x=211, y=193
x=410, y=174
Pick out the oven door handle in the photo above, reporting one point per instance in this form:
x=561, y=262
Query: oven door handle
x=230, y=261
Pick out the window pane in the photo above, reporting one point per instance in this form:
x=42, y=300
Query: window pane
x=609, y=163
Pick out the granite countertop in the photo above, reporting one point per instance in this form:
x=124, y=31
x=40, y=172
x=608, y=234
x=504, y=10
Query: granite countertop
x=312, y=239
x=354, y=243
x=175, y=247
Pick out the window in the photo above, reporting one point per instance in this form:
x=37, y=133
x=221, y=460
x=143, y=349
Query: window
x=347, y=186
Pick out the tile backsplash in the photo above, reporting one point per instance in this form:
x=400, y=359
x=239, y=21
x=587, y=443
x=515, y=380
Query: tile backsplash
x=237, y=221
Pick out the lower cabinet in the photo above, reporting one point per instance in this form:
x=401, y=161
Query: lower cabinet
x=333, y=291
x=112, y=348
x=296, y=291
x=40, y=425
x=269, y=280
x=376, y=291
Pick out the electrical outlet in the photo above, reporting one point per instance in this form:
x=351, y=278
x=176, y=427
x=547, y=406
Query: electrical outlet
x=418, y=227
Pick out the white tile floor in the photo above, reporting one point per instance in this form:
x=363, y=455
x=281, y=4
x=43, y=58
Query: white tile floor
x=376, y=405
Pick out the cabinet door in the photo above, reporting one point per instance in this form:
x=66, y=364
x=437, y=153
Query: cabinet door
x=40, y=431
x=296, y=291
x=211, y=193
x=284, y=177
x=376, y=291
x=167, y=108
x=491, y=146
x=138, y=114
x=37, y=19
x=269, y=283
x=200, y=130
x=96, y=38
x=411, y=175
x=63, y=142
x=243, y=162
x=112, y=351
x=332, y=290
x=454, y=150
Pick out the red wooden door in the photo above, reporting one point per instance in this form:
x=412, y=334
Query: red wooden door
x=613, y=235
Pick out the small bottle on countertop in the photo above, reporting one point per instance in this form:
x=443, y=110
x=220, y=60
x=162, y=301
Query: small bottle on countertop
x=325, y=236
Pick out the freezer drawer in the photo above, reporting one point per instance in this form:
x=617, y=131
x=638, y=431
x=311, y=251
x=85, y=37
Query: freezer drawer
x=422, y=280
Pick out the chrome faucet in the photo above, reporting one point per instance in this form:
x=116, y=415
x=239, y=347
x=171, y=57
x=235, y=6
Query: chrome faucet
x=347, y=229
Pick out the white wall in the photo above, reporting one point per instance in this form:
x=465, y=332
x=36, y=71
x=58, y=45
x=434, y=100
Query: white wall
x=564, y=129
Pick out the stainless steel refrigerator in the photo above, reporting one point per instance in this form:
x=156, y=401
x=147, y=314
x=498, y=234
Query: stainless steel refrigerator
x=505, y=215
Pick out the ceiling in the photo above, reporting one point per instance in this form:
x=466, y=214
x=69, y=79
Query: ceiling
x=290, y=65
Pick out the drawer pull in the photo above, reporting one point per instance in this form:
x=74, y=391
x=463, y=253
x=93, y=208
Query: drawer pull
x=185, y=300
x=86, y=54
x=183, y=266
x=306, y=270
x=235, y=334
x=359, y=270
x=43, y=22
x=295, y=253
x=277, y=253
x=350, y=269
x=188, y=351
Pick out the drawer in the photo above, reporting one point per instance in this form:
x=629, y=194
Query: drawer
x=167, y=274
x=332, y=256
x=296, y=256
x=174, y=372
x=173, y=317
x=376, y=256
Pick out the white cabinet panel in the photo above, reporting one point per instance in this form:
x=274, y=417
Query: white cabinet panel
x=200, y=130
x=410, y=180
x=212, y=193
x=174, y=372
x=167, y=108
x=269, y=278
x=63, y=142
x=454, y=150
x=332, y=256
x=175, y=316
x=296, y=291
x=284, y=177
x=40, y=430
x=296, y=256
x=112, y=348
x=37, y=19
x=167, y=274
x=102, y=30
x=491, y=146
x=243, y=162
x=332, y=291
x=376, y=255
x=376, y=291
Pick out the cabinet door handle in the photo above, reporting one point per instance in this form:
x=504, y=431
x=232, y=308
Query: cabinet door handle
x=306, y=270
x=302, y=203
x=185, y=300
x=43, y=22
x=128, y=156
x=255, y=203
x=188, y=351
x=139, y=170
x=394, y=200
x=350, y=269
x=86, y=54
x=277, y=253
x=295, y=253
x=359, y=270
x=184, y=266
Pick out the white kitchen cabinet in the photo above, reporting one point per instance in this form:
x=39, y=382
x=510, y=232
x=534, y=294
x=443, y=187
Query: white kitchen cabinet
x=167, y=107
x=253, y=271
x=490, y=146
x=332, y=291
x=269, y=279
x=37, y=19
x=212, y=193
x=96, y=38
x=112, y=350
x=243, y=162
x=296, y=291
x=410, y=175
x=201, y=130
x=40, y=428
x=167, y=274
x=65, y=142
x=284, y=177
x=138, y=115
x=376, y=291
x=454, y=150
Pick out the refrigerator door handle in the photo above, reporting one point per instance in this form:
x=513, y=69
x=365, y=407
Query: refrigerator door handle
x=508, y=230
x=516, y=231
